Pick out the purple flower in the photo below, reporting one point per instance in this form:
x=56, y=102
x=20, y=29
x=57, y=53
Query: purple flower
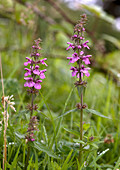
x=83, y=29
x=29, y=82
x=81, y=52
x=35, y=54
x=79, y=47
x=81, y=38
x=28, y=62
x=74, y=71
x=84, y=70
x=70, y=46
x=36, y=47
x=85, y=45
x=37, y=84
x=32, y=139
x=74, y=58
x=28, y=72
x=42, y=61
x=75, y=35
x=86, y=60
x=42, y=75
x=36, y=70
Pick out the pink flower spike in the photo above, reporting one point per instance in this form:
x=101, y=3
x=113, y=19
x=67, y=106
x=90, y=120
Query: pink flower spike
x=32, y=140
x=36, y=71
x=37, y=84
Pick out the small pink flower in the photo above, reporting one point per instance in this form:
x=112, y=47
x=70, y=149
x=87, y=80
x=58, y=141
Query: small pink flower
x=84, y=70
x=28, y=72
x=42, y=61
x=37, y=84
x=74, y=58
x=85, y=44
x=74, y=71
x=86, y=59
x=42, y=75
x=36, y=70
x=29, y=82
x=75, y=35
x=28, y=62
x=70, y=46
x=79, y=47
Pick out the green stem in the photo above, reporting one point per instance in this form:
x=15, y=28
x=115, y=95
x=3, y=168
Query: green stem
x=28, y=153
x=27, y=159
x=81, y=130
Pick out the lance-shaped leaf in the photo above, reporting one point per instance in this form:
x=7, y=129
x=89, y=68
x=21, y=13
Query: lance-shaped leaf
x=96, y=113
x=66, y=113
x=41, y=147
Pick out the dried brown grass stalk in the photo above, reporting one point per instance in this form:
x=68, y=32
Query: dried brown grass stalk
x=5, y=116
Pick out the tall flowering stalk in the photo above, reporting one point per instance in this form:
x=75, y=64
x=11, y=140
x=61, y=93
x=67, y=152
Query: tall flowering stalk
x=80, y=70
x=33, y=77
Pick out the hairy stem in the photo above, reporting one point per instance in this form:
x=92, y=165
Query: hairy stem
x=27, y=159
x=81, y=129
x=28, y=153
x=32, y=106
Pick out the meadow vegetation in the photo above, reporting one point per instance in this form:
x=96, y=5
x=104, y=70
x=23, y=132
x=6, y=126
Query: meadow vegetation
x=56, y=143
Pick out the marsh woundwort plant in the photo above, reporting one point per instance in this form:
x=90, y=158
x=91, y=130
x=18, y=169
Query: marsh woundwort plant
x=33, y=77
x=80, y=59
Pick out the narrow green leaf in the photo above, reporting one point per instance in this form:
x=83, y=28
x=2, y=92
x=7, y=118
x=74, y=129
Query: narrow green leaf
x=43, y=114
x=112, y=39
x=30, y=163
x=66, y=113
x=72, y=132
x=101, y=154
x=42, y=147
x=93, y=144
x=60, y=120
x=14, y=163
x=21, y=136
x=78, y=141
x=36, y=160
x=96, y=113
x=98, y=11
x=65, y=165
x=117, y=164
